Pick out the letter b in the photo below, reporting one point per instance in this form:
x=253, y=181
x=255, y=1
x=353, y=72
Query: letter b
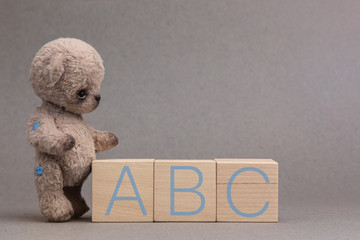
x=185, y=190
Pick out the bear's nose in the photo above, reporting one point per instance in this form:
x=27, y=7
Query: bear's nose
x=97, y=98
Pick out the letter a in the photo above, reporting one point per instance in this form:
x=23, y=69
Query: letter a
x=137, y=195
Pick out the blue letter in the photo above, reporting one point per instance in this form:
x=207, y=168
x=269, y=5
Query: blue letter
x=114, y=197
x=173, y=190
x=229, y=192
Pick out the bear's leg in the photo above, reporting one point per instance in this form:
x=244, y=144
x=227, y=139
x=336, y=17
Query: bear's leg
x=52, y=201
x=77, y=201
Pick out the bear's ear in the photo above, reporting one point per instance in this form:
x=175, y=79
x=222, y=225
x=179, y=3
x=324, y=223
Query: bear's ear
x=56, y=68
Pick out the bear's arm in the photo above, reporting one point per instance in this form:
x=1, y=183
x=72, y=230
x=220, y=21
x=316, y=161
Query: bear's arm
x=43, y=134
x=103, y=140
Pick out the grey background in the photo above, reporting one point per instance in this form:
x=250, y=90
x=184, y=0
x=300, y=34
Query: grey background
x=200, y=79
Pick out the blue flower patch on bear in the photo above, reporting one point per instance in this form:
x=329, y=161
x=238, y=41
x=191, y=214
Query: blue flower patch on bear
x=35, y=125
x=39, y=170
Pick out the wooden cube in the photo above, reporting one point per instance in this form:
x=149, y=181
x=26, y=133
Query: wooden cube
x=185, y=190
x=122, y=190
x=247, y=190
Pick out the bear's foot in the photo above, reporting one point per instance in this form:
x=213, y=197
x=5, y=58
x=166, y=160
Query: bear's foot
x=77, y=201
x=80, y=208
x=56, y=207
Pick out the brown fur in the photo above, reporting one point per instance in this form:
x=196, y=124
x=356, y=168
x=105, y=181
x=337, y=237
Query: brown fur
x=65, y=145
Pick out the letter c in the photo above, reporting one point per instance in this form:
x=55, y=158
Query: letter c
x=232, y=178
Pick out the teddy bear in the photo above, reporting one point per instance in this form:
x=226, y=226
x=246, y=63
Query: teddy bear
x=66, y=74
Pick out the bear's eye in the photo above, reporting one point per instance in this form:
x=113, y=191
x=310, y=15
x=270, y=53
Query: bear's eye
x=81, y=94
